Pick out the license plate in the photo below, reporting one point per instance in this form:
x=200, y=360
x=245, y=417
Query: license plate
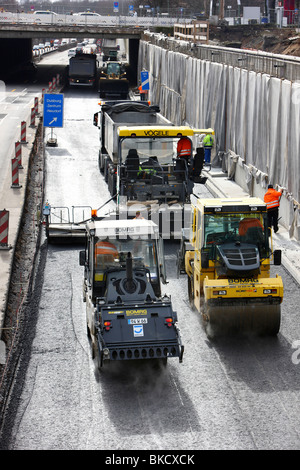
x=137, y=321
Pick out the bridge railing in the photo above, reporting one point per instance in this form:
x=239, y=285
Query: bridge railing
x=78, y=20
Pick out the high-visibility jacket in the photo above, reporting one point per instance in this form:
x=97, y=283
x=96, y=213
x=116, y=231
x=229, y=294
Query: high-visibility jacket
x=208, y=141
x=105, y=248
x=143, y=172
x=272, y=198
x=105, y=254
x=184, y=147
x=248, y=223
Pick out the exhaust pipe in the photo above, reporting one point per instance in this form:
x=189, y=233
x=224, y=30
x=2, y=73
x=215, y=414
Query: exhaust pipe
x=130, y=285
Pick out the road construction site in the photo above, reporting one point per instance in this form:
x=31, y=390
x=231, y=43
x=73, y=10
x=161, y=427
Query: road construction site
x=229, y=393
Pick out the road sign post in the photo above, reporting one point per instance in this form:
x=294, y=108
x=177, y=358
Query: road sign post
x=145, y=80
x=53, y=114
x=144, y=88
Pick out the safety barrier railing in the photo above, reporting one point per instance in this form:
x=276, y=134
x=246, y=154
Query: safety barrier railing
x=78, y=20
x=278, y=65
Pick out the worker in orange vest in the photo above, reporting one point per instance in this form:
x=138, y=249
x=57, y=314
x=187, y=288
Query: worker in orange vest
x=272, y=199
x=184, y=148
x=247, y=223
x=143, y=93
x=105, y=254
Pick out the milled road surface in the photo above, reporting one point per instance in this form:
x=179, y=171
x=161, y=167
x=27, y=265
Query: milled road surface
x=230, y=393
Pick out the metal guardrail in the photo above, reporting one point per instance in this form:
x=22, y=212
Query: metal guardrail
x=278, y=65
x=63, y=215
x=77, y=20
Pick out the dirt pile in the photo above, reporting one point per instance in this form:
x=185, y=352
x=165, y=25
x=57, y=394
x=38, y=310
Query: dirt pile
x=265, y=38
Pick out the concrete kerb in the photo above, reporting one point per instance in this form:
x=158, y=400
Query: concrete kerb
x=13, y=200
x=220, y=186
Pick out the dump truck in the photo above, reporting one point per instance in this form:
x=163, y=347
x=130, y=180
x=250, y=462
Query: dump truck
x=128, y=317
x=113, y=82
x=138, y=150
x=227, y=258
x=109, y=49
x=83, y=70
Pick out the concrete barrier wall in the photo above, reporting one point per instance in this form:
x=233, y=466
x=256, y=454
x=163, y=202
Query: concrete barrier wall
x=255, y=116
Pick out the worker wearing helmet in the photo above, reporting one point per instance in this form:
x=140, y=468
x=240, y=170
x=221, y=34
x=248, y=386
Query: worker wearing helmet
x=272, y=199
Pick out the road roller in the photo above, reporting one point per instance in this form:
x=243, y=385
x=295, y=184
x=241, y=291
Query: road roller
x=227, y=257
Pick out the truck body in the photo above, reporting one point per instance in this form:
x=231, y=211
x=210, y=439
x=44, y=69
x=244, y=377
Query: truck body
x=83, y=70
x=113, y=82
x=227, y=258
x=127, y=316
x=138, y=150
x=109, y=49
x=116, y=113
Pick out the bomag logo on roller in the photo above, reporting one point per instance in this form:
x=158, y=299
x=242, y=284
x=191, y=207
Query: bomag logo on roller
x=124, y=229
x=136, y=312
x=156, y=133
x=242, y=280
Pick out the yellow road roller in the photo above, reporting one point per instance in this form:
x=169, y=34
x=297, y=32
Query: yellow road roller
x=228, y=257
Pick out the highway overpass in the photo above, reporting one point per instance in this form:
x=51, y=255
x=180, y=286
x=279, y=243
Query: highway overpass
x=18, y=30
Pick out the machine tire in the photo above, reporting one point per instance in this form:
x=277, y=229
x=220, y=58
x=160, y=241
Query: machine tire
x=270, y=324
x=263, y=321
x=191, y=291
x=111, y=182
x=100, y=162
x=105, y=169
x=98, y=361
x=94, y=351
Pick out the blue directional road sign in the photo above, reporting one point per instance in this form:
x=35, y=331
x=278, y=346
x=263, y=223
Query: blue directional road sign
x=53, y=110
x=145, y=80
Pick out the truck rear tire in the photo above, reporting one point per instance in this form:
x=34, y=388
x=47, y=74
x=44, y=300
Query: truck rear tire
x=100, y=162
x=111, y=181
x=105, y=169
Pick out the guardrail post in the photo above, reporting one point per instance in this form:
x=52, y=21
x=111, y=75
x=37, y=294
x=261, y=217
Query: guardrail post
x=36, y=105
x=23, y=132
x=4, y=222
x=32, y=117
x=18, y=154
x=15, y=174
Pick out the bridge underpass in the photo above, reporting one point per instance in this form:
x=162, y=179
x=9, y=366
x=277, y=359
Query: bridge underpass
x=14, y=51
